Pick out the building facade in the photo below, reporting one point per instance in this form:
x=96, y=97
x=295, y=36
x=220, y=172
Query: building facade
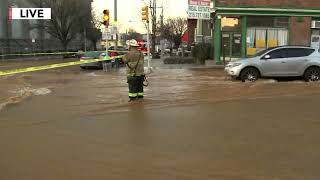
x=243, y=27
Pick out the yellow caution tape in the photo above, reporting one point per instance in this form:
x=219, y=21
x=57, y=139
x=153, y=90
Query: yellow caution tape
x=53, y=66
x=56, y=53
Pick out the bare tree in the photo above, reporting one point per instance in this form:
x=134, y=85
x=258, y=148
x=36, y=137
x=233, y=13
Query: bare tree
x=173, y=29
x=65, y=19
x=92, y=29
x=132, y=34
x=177, y=26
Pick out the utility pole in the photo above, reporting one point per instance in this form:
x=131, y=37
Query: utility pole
x=153, y=8
x=116, y=19
x=42, y=32
x=162, y=24
x=85, y=39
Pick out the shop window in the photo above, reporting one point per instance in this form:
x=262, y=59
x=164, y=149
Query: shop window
x=266, y=21
x=230, y=24
x=260, y=21
x=262, y=38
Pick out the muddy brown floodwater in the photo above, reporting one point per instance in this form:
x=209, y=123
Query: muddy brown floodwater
x=194, y=124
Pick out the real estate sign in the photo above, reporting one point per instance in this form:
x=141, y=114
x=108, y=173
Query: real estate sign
x=198, y=12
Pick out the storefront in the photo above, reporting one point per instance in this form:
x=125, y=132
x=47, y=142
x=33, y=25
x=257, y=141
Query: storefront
x=243, y=31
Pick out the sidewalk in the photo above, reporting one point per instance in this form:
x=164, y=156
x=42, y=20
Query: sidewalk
x=159, y=64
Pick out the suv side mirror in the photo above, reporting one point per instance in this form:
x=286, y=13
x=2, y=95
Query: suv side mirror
x=267, y=57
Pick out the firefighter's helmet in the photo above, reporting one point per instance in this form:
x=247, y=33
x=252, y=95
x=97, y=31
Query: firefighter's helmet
x=133, y=43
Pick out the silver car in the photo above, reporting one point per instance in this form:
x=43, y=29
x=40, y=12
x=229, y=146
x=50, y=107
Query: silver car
x=284, y=61
x=92, y=55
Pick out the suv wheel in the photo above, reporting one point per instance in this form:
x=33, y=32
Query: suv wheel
x=249, y=74
x=312, y=74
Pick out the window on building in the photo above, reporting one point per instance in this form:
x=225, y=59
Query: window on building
x=266, y=21
x=260, y=21
x=206, y=28
x=262, y=38
x=281, y=22
x=203, y=32
x=230, y=24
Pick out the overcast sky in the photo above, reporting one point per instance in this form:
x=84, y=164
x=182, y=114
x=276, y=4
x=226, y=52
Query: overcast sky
x=129, y=11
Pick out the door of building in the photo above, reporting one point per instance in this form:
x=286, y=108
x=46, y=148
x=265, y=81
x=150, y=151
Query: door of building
x=231, y=45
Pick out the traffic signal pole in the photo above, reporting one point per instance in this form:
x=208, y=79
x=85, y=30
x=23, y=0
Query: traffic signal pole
x=105, y=22
x=146, y=18
x=104, y=65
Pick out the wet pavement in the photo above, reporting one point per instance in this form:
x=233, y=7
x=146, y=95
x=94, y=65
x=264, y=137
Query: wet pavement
x=193, y=124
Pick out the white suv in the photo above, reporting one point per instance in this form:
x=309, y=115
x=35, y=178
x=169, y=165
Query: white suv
x=284, y=61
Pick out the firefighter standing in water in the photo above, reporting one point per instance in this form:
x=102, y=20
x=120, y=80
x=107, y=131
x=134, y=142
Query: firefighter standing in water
x=135, y=71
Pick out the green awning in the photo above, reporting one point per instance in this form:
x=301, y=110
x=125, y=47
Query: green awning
x=267, y=11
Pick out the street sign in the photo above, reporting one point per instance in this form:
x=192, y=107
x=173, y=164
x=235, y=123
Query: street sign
x=106, y=36
x=199, y=12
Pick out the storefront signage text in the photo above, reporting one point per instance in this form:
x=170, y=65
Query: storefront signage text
x=198, y=12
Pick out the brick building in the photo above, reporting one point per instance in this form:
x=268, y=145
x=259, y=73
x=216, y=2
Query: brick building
x=243, y=27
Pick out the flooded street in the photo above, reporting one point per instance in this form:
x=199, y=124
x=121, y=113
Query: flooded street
x=194, y=124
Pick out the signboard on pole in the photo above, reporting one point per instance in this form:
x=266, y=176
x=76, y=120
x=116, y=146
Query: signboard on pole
x=106, y=34
x=198, y=12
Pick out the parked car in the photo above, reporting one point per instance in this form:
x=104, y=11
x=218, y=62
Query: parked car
x=284, y=61
x=77, y=54
x=120, y=51
x=92, y=55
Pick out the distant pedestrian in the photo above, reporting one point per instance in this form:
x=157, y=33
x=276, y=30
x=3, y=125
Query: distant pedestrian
x=135, y=71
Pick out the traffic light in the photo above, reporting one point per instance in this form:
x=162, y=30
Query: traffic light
x=145, y=13
x=106, y=17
